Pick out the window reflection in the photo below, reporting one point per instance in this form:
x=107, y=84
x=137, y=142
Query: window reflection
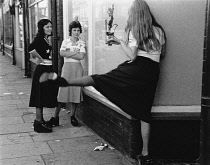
x=108, y=57
x=38, y=10
x=80, y=10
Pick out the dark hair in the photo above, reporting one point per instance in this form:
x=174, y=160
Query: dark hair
x=74, y=24
x=41, y=25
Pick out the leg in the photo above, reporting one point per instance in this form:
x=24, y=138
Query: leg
x=73, y=107
x=145, y=131
x=39, y=123
x=54, y=121
x=82, y=81
x=39, y=114
x=144, y=158
x=57, y=110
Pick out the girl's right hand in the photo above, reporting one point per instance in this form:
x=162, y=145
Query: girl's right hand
x=113, y=40
x=40, y=61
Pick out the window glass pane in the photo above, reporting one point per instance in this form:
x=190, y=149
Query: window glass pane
x=108, y=57
x=21, y=26
x=80, y=10
x=37, y=12
x=31, y=1
x=43, y=9
x=8, y=28
x=33, y=21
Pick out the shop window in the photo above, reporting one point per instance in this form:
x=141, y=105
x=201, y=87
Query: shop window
x=107, y=57
x=20, y=29
x=37, y=11
x=77, y=9
x=8, y=29
x=101, y=57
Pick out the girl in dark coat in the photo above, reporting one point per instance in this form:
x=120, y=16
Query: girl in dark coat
x=42, y=95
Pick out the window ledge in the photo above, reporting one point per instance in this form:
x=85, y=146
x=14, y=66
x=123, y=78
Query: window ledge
x=93, y=93
x=176, y=112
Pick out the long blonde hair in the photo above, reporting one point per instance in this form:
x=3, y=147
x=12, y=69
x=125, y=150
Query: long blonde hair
x=141, y=23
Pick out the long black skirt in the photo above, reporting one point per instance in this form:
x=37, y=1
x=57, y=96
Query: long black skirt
x=131, y=86
x=43, y=94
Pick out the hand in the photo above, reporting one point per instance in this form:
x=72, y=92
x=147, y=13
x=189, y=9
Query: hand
x=113, y=40
x=38, y=61
x=47, y=76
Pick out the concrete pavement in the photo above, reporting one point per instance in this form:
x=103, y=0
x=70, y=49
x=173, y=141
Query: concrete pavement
x=20, y=145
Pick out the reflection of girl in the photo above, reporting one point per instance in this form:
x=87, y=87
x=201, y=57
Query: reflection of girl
x=73, y=50
x=132, y=85
x=42, y=95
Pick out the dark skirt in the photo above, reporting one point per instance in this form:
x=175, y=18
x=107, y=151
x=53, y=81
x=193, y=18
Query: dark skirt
x=131, y=86
x=43, y=94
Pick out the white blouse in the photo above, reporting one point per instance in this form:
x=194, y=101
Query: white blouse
x=68, y=44
x=152, y=54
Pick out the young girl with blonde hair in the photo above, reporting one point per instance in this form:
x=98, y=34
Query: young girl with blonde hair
x=132, y=85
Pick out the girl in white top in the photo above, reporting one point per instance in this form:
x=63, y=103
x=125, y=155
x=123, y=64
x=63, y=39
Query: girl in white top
x=73, y=50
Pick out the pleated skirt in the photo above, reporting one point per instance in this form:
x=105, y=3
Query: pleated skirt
x=43, y=94
x=71, y=94
x=131, y=86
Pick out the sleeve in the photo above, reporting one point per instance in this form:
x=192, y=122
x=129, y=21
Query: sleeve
x=132, y=41
x=162, y=38
x=82, y=47
x=34, y=45
x=63, y=45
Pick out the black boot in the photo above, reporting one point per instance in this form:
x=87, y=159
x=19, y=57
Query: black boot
x=52, y=122
x=41, y=127
x=146, y=160
x=74, y=121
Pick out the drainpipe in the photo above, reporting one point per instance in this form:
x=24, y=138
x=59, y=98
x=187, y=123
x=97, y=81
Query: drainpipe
x=24, y=4
x=13, y=42
x=12, y=12
x=204, y=157
x=55, y=36
x=3, y=53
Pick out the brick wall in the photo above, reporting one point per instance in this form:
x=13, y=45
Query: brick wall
x=170, y=139
x=121, y=132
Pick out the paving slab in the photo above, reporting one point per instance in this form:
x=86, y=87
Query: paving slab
x=8, y=107
x=7, y=92
x=62, y=134
x=10, y=120
x=16, y=128
x=15, y=139
x=12, y=113
x=10, y=102
x=32, y=160
x=22, y=150
x=87, y=143
x=107, y=157
x=7, y=97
